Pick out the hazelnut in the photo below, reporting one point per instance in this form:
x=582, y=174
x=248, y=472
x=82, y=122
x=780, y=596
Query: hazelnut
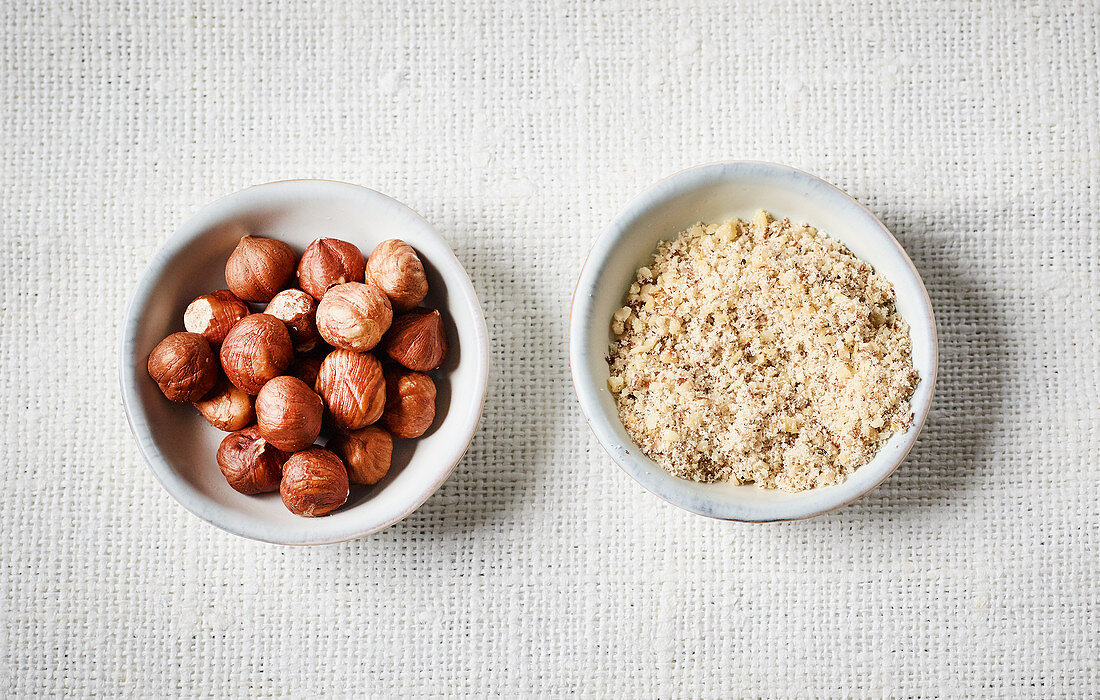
x=226, y=407
x=256, y=350
x=183, y=366
x=249, y=463
x=212, y=315
x=328, y=262
x=395, y=268
x=258, y=268
x=417, y=340
x=315, y=483
x=306, y=368
x=410, y=403
x=353, y=316
x=353, y=389
x=297, y=310
x=288, y=413
x=365, y=452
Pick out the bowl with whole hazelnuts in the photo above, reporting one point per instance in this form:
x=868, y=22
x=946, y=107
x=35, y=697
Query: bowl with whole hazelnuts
x=304, y=362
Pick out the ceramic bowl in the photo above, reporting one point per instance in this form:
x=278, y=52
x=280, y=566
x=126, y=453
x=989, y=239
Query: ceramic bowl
x=714, y=193
x=180, y=446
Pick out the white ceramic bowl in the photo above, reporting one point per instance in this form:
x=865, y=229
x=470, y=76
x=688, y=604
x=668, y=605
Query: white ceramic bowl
x=180, y=446
x=713, y=193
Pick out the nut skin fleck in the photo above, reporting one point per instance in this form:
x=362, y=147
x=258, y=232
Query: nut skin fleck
x=259, y=268
x=212, y=315
x=256, y=351
x=288, y=413
x=417, y=340
x=249, y=463
x=183, y=366
x=410, y=403
x=365, y=452
x=352, y=387
x=396, y=269
x=297, y=310
x=354, y=316
x=327, y=262
x=226, y=407
x=314, y=483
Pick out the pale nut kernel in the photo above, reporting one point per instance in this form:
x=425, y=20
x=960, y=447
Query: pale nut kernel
x=365, y=452
x=352, y=387
x=328, y=262
x=314, y=483
x=249, y=463
x=354, y=316
x=288, y=413
x=258, y=268
x=396, y=269
x=256, y=351
x=226, y=407
x=417, y=340
x=410, y=403
x=298, y=311
x=183, y=366
x=212, y=315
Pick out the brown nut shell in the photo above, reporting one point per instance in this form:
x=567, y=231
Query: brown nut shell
x=288, y=413
x=249, y=463
x=258, y=268
x=297, y=310
x=315, y=483
x=396, y=269
x=352, y=386
x=183, y=366
x=327, y=262
x=417, y=340
x=226, y=407
x=212, y=315
x=306, y=369
x=354, y=316
x=410, y=403
x=256, y=351
x=365, y=452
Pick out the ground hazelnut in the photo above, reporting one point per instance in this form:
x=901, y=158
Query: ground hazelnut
x=298, y=311
x=226, y=407
x=352, y=386
x=315, y=483
x=288, y=413
x=306, y=369
x=212, y=315
x=417, y=340
x=258, y=268
x=365, y=452
x=249, y=463
x=183, y=366
x=354, y=316
x=410, y=403
x=328, y=262
x=395, y=268
x=256, y=350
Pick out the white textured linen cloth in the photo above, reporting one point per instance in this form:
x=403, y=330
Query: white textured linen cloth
x=519, y=130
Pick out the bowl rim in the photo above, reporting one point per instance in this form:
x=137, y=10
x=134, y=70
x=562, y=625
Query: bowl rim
x=651, y=198
x=183, y=493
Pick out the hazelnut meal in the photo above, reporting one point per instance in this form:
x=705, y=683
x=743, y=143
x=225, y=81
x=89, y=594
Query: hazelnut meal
x=760, y=352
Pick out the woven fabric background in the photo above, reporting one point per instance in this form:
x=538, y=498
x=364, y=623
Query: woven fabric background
x=520, y=129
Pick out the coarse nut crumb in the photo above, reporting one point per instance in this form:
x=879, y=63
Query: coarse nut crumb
x=760, y=352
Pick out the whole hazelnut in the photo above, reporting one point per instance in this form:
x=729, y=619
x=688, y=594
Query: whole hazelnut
x=256, y=351
x=417, y=340
x=183, y=366
x=410, y=403
x=352, y=386
x=288, y=413
x=306, y=369
x=315, y=483
x=212, y=315
x=328, y=262
x=258, y=268
x=395, y=268
x=226, y=407
x=353, y=316
x=298, y=311
x=365, y=452
x=249, y=463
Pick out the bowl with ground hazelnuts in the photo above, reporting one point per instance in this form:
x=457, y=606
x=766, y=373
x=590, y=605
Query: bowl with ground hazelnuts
x=304, y=362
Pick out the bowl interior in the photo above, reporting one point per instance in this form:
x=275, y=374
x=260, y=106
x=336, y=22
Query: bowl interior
x=180, y=446
x=714, y=193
